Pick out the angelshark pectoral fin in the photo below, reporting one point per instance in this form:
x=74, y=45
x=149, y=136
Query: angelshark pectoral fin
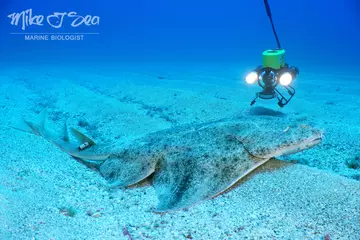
x=185, y=179
x=264, y=165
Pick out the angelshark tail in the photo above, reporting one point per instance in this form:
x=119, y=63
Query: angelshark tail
x=39, y=127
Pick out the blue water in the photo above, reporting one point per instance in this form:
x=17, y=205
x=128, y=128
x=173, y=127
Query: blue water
x=316, y=33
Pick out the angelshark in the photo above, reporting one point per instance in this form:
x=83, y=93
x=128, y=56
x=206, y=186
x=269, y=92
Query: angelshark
x=191, y=162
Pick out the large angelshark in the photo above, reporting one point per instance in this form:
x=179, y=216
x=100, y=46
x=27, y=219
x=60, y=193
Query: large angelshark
x=191, y=162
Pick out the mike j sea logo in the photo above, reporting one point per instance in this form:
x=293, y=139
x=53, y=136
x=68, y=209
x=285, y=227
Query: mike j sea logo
x=52, y=26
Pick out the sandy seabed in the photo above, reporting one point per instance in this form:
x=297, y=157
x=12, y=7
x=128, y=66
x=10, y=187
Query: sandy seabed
x=46, y=194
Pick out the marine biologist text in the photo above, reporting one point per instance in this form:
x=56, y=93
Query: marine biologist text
x=56, y=20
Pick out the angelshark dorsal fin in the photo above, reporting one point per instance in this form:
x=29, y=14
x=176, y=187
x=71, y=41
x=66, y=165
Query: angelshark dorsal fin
x=42, y=118
x=65, y=133
x=82, y=137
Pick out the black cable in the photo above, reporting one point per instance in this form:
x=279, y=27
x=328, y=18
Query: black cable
x=272, y=24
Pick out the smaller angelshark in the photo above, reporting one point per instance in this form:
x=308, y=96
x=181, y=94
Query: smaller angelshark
x=191, y=162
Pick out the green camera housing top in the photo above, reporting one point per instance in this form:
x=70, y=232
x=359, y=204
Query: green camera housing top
x=273, y=58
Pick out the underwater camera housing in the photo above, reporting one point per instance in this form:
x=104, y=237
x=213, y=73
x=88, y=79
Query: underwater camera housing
x=273, y=72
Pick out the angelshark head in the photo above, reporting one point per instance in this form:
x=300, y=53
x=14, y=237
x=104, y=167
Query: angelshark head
x=283, y=140
x=297, y=143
